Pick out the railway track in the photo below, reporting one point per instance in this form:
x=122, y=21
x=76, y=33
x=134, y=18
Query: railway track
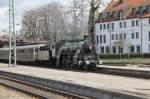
x=37, y=91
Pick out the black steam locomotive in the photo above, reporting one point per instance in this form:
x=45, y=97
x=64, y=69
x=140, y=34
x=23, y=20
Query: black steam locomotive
x=76, y=55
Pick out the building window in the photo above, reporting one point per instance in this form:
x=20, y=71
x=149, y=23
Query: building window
x=137, y=35
x=107, y=49
x=120, y=24
x=108, y=26
x=125, y=25
x=120, y=14
x=132, y=35
x=104, y=26
x=133, y=11
x=137, y=22
x=112, y=26
x=138, y=49
x=140, y=9
x=125, y=36
x=101, y=41
x=132, y=23
x=97, y=39
x=102, y=49
x=132, y=49
x=120, y=36
x=113, y=37
x=101, y=26
x=104, y=37
x=120, y=49
x=116, y=36
x=114, y=49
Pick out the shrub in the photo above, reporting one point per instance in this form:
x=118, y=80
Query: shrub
x=123, y=56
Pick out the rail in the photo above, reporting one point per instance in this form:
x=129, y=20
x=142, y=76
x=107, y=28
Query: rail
x=36, y=90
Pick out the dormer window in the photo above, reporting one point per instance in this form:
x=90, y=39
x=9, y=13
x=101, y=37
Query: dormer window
x=133, y=11
x=145, y=9
x=141, y=9
x=108, y=14
x=100, y=16
x=113, y=14
x=120, y=14
x=148, y=7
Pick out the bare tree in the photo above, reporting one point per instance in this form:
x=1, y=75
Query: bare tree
x=79, y=15
x=46, y=22
x=94, y=6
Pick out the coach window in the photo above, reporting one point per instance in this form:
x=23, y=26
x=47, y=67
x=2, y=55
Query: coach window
x=30, y=50
x=20, y=51
x=102, y=49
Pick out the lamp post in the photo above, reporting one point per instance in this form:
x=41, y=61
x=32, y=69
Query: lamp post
x=129, y=46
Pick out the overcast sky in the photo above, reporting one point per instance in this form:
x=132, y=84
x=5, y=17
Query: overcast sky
x=20, y=7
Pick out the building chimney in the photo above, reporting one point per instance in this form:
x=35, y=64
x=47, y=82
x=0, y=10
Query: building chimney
x=121, y=1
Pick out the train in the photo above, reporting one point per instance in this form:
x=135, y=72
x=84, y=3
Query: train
x=64, y=54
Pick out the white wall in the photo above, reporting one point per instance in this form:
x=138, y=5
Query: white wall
x=144, y=30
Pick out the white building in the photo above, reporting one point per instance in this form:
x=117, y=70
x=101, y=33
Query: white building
x=124, y=27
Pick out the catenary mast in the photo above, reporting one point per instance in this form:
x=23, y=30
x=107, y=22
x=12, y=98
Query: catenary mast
x=12, y=35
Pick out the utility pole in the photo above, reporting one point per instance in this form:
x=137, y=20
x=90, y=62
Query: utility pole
x=12, y=35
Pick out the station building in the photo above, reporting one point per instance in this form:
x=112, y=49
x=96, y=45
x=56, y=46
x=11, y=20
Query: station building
x=124, y=27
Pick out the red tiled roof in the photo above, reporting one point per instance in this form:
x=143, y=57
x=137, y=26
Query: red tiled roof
x=146, y=15
x=114, y=5
x=127, y=5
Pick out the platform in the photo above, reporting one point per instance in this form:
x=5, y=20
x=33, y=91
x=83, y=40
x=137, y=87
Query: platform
x=100, y=81
x=130, y=67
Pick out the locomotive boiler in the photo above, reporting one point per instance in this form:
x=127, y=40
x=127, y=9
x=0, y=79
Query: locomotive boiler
x=77, y=55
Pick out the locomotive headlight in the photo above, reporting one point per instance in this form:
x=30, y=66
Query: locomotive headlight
x=87, y=62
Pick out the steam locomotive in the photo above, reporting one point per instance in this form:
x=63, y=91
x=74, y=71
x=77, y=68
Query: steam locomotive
x=77, y=54
x=64, y=54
